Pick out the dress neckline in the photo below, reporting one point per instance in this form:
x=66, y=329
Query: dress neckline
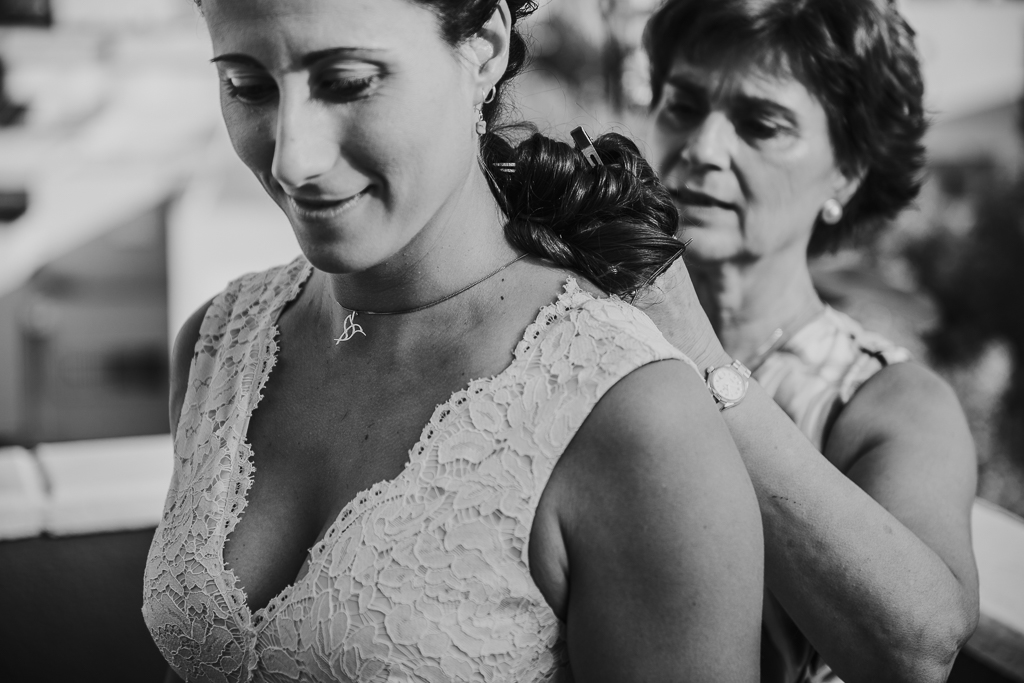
x=262, y=365
x=783, y=336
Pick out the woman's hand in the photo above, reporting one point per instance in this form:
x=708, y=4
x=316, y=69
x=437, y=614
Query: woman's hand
x=867, y=546
x=672, y=304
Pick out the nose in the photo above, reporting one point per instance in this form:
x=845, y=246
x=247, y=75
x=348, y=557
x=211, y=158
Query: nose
x=709, y=146
x=306, y=145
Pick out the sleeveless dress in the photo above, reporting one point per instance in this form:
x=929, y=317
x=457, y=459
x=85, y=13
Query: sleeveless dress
x=421, y=578
x=812, y=377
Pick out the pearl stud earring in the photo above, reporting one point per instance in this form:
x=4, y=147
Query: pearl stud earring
x=832, y=211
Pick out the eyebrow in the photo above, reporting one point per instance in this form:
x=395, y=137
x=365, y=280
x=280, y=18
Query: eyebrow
x=331, y=53
x=684, y=83
x=306, y=61
x=748, y=101
x=771, y=106
x=236, y=58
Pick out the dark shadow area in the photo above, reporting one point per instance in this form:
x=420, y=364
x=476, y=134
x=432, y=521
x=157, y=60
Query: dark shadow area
x=71, y=610
x=25, y=13
x=967, y=669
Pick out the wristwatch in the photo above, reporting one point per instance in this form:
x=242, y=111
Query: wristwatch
x=728, y=383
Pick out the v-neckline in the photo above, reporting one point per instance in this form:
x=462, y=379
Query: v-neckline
x=261, y=366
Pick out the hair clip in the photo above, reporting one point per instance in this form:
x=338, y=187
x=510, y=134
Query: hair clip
x=586, y=146
x=506, y=166
x=658, y=273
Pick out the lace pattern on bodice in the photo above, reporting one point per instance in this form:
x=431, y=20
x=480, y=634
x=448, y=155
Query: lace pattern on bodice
x=421, y=578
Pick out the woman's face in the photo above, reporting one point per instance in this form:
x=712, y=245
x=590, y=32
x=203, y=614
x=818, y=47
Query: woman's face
x=355, y=115
x=747, y=157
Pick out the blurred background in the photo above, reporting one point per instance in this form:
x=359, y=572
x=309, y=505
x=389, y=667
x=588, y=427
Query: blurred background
x=123, y=208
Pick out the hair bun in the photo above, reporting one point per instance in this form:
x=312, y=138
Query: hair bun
x=614, y=223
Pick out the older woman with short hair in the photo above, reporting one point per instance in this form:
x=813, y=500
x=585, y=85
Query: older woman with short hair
x=783, y=129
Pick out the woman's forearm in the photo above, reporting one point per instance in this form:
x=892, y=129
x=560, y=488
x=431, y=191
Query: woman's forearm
x=879, y=598
x=875, y=600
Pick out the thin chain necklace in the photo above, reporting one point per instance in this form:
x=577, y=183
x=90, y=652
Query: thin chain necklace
x=350, y=328
x=780, y=336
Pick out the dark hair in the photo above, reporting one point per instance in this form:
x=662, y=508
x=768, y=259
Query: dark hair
x=856, y=57
x=614, y=224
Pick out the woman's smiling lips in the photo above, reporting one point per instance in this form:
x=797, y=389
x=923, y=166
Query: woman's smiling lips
x=321, y=208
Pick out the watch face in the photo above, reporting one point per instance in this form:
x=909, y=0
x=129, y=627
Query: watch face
x=727, y=383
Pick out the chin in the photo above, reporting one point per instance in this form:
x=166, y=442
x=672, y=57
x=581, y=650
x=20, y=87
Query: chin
x=336, y=252
x=344, y=246
x=707, y=244
x=333, y=261
x=344, y=257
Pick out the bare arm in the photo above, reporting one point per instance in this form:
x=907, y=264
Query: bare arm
x=874, y=565
x=661, y=538
x=876, y=568
x=181, y=362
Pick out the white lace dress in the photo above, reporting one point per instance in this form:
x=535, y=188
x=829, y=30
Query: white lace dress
x=421, y=578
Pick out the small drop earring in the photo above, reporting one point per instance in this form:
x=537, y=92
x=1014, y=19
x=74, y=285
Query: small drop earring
x=481, y=124
x=832, y=211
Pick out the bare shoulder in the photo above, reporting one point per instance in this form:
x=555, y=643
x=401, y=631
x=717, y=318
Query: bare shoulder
x=659, y=419
x=904, y=440
x=656, y=447
x=181, y=360
x=911, y=384
x=657, y=530
x=907, y=404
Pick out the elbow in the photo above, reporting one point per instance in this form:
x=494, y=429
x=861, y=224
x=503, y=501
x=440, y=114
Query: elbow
x=932, y=667
x=929, y=659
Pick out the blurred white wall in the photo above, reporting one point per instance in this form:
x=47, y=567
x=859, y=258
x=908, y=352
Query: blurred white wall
x=224, y=225
x=118, y=12
x=972, y=53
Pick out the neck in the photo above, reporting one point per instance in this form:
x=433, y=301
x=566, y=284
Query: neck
x=748, y=300
x=460, y=243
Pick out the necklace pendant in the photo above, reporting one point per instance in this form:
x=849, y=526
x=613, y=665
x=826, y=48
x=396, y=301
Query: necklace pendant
x=349, y=329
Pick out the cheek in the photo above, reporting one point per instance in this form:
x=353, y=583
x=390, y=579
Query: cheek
x=251, y=135
x=666, y=144
x=788, y=185
x=776, y=216
x=419, y=145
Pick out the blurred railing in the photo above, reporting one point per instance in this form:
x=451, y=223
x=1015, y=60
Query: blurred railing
x=57, y=493
x=999, y=547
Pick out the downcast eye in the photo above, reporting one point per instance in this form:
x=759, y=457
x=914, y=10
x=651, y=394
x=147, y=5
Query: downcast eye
x=249, y=89
x=339, y=88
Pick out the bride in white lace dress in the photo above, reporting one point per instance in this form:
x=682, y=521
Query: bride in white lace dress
x=433, y=448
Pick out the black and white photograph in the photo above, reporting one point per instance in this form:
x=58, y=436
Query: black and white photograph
x=512, y=341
